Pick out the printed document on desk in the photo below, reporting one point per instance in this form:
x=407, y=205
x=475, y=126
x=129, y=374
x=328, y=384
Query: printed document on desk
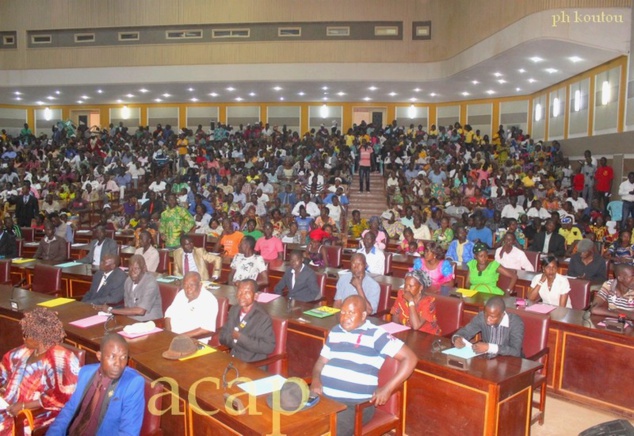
x=465, y=352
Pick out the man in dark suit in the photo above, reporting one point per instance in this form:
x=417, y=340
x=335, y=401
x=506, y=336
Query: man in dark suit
x=502, y=332
x=26, y=207
x=100, y=247
x=8, y=247
x=107, y=283
x=549, y=242
x=299, y=279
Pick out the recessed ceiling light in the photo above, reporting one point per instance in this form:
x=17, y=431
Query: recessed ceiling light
x=324, y=88
x=433, y=94
x=372, y=88
x=465, y=93
x=143, y=90
x=550, y=70
x=325, y=98
x=367, y=98
x=231, y=89
x=501, y=81
x=531, y=80
x=239, y=98
x=325, y=93
x=252, y=94
x=497, y=74
x=130, y=95
x=57, y=92
x=17, y=93
x=302, y=93
x=392, y=94
x=341, y=94
x=282, y=98
x=536, y=59
x=475, y=82
x=412, y=99
x=85, y=97
x=158, y=100
x=575, y=59
x=18, y=98
x=277, y=88
x=119, y=101
x=522, y=70
x=194, y=99
x=166, y=95
x=518, y=89
x=79, y=102
x=490, y=91
x=190, y=89
x=39, y=103
x=50, y=97
x=416, y=89
x=213, y=94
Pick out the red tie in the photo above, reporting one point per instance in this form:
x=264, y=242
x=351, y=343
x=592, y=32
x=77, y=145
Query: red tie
x=186, y=264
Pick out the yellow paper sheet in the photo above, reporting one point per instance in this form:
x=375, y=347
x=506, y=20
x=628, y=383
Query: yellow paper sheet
x=327, y=309
x=22, y=260
x=56, y=302
x=206, y=350
x=467, y=292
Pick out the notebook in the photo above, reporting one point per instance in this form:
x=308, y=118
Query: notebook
x=322, y=311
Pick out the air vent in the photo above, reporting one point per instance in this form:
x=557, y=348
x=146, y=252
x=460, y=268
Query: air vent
x=184, y=34
x=41, y=39
x=338, y=31
x=230, y=33
x=129, y=36
x=84, y=37
x=284, y=32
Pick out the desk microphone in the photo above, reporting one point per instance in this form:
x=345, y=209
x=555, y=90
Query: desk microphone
x=13, y=302
x=235, y=403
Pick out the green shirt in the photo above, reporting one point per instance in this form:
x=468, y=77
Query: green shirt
x=173, y=223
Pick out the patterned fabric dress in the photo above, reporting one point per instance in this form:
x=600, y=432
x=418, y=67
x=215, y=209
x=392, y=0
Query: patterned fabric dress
x=51, y=379
x=426, y=309
x=175, y=222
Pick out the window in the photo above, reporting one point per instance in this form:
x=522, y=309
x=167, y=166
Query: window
x=41, y=39
x=184, y=34
x=230, y=33
x=289, y=31
x=338, y=31
x=422, y=30
x=129, y=36
x=385, y=31
x=84, y=37
x=8, y=39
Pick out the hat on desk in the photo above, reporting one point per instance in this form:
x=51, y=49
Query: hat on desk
x=181, y=346
x=290, y=399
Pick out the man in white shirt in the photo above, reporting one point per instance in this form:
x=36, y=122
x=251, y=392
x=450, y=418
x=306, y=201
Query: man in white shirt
x=512, y=210
x=374, y=256
x=264, y=185
x=147, y=250
x=578, y=203
x=311, y=207
x=157, y=186
x=626, y=191
x=193, y=311
x=509, y=256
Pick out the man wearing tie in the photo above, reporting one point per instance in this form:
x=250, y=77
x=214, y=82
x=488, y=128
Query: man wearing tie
x=26, y=207
x=107, y=283
x=188, y=258
x=299, y=280
x=8, y=248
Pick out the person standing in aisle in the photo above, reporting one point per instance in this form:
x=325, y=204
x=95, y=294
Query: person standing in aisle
x=365, y=164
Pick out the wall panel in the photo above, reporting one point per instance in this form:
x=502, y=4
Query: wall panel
x=420, y=116
x=557, y=105
x=285, y=115
x=605, y=115
x=42, y=124
x=244, y=115
x=514, y=113
x=479, y=117
x=316, y=118
x=163, y=116
x=201, y=115
x=447, y=115
x=578, y=108
x=539, y=117
x=12, y=120
x=132, y=120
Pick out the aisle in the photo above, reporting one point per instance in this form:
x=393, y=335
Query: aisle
x=369, y=203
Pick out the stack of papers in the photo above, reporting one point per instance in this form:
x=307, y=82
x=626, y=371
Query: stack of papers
x=22, y=260
x=264, y=297
x=322, y=311
x=263, y=386
x=90, y=321
x=467, y=292
x=465, y=352
x=392, y=327
x=56, y=302
x=541, y=308
x=69, y=264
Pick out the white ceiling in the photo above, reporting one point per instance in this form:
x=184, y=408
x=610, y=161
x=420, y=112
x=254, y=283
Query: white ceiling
x=344, y=82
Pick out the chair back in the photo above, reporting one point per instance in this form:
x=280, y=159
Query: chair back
x=579, y=293
x=28, y=234
x=168, y=293
x=388, y=264
x=5, y=271
x=533, y=257
x=46, y=279
x=448, y=313
x=284, y=255
x=384, y=299
x=223, y=312
x=163, y=265
x=110, y=234
x=321, y=282
x=387, y=372
x=198, y=239
x=68, y=248
x=152, y=421
x=18, y=244
x=280, y=330
x=333, y=256
x=81, y=354
x=535, y=331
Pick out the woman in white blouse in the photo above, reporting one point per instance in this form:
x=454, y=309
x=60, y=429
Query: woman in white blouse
x=551, y=287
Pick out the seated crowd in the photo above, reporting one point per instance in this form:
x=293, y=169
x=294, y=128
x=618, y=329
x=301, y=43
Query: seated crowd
x=455, y=200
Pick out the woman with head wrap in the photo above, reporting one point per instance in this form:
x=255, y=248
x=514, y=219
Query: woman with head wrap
x=483, y=274
x=39, y=375
x=413, y=306
x=375, y=227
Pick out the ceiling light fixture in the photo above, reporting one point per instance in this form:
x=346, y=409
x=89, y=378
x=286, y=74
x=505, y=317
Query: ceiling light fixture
x=143, y=90
x=518, y=89
x=190, y=89
x=367, y=98
x=130, y=95
x=417, y=89
x=277, y=88
x=575, y=59
x=50, y=97
x=79, y=102
x=239, y=99
x=536, y=59
x=325, y=99
x=166, y=95
x=252, y=94
x=433, y=94
x=301, y=93
x=57, y=92
x=490, y=91
x=100, y=91
x=17, y=93
x=18, y=98
x=324, y=88
x=531, y=80
x=84, y=97
x=194, y=99
x=392, y=94
x=522, y=70
x=158, y=100
x=119, y=101
x=39, y=103
x=213, y=94
x=465, y=93
x=550, y=70
x=413, y=99
x=501, y=81
x=373, y=88
x=475, y=82
x=497, y=74
x=281, y=98
x=231, y=89
x=341, y=94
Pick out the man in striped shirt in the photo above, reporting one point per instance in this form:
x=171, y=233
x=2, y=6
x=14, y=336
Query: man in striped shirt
x=348, y=366
x=616, y=297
